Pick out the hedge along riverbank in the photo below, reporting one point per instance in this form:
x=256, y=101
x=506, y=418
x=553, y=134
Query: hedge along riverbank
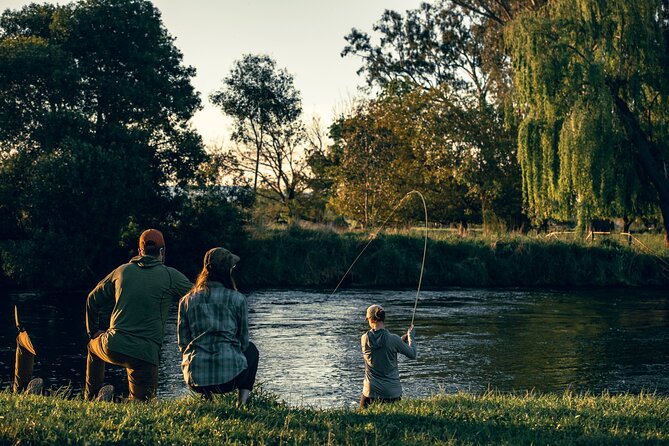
x=313, y=258
x=460, y=419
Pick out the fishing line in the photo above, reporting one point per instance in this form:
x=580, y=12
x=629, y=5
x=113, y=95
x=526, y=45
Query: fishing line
x=373, y=237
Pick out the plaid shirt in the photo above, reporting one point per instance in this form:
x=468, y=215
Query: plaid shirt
x=212, y=332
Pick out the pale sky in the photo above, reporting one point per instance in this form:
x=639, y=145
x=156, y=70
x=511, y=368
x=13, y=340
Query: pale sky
x=305, y=37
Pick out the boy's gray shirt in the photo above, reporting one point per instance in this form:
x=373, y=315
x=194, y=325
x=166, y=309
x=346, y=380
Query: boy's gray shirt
x=379, y=350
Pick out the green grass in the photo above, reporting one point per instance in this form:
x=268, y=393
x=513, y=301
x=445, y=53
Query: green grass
x=297, y=257
x=459, y=419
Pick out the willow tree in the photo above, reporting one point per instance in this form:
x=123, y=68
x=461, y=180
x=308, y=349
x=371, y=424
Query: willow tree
x=592, y=89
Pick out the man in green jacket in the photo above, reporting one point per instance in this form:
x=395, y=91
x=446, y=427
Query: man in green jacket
x=141, y=292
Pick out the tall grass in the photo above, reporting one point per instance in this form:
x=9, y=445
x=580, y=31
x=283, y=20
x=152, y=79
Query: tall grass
x=316, y=258
x=461, y=419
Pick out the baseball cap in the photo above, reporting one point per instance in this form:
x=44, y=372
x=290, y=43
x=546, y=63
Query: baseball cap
x=151, y=237
x=220, y=259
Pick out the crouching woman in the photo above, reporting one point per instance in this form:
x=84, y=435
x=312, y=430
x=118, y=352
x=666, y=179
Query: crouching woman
x=213, y=332
x=379, y=350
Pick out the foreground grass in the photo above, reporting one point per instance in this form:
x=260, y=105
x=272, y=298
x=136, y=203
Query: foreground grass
x=453, y=419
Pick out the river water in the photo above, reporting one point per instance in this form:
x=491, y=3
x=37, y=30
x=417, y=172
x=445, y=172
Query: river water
x=468, y=340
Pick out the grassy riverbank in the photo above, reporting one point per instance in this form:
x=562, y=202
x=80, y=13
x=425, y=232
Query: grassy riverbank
x=453, y=419
x=296, y=257
x=315, y=258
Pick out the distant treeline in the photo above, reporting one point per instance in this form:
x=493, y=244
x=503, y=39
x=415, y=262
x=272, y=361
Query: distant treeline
x=96, y=144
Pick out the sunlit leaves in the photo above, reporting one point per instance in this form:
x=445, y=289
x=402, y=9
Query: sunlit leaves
x=573, y=60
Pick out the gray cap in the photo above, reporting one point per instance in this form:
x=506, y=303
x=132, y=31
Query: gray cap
x=220, y=259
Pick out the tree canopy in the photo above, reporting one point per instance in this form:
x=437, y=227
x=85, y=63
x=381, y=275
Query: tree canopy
x=94, y=110
x=446, y=83
x=592, y=84
x=266, y=109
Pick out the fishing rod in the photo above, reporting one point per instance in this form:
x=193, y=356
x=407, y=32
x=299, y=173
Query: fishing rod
x=373, y=237
x=19, y=327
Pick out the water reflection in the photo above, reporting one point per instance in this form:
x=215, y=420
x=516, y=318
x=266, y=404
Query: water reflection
x=468, y=340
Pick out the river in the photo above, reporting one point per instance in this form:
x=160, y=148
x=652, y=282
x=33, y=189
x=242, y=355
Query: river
x=468, y=340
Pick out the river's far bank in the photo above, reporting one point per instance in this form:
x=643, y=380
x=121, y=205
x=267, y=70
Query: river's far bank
x=460, y=419
x=319, y=259
x=296, y=257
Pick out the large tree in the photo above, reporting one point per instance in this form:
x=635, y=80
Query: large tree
x=363, y=162
x=266, y=109
x=384, y=148
x=592, y=81
x=94, y=110
x=439, y=55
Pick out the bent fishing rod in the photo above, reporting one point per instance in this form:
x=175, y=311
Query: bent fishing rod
x=371, y=239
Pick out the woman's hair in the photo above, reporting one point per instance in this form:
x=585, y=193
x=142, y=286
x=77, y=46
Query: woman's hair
x=379, y=315
x=209, y=274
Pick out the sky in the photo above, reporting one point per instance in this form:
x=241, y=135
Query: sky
x=305, y=37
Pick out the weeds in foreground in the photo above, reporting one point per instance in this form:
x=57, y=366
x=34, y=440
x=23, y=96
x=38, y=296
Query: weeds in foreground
x=444, y=419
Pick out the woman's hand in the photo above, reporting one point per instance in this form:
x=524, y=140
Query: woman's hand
x=409, y=334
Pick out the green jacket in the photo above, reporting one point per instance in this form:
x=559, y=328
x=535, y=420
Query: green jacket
x=141, y=292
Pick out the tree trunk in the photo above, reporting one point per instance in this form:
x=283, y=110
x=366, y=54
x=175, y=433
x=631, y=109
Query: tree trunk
x=627, y=224
x=543, y=227
x=462, y=228
x=645, y=150
x=664, y=208
x=255, y=178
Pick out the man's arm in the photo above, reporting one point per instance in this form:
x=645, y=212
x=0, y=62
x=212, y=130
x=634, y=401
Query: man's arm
x=180, y=283
x=103, y=294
